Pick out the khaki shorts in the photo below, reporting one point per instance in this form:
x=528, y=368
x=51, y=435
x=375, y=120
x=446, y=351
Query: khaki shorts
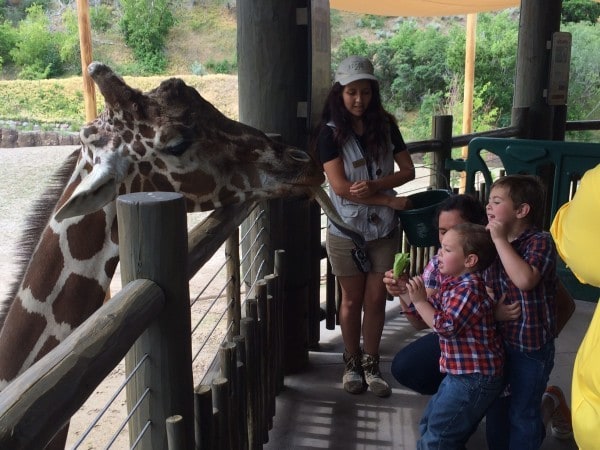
x=381, y=253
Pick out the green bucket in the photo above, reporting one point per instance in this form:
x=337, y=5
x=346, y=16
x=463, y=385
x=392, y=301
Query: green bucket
x=418, y=223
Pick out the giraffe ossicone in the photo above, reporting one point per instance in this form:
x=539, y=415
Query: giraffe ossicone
x=168, y=139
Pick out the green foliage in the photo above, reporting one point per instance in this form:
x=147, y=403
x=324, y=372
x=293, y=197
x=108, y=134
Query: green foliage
x=17, y=11
x=145, y=25
x=8, y=39
x=355, y=45
x=370, y=21
x=418, y=64
x=223, y=66
x=580, y=11
x=101, y=17
x=584, y=78
x=37, y=50
x=69, y=50
x=495, y=60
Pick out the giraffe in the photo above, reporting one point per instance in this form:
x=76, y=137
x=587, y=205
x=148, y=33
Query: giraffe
x=168, y=139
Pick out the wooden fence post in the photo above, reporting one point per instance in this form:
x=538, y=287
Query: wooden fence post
x=153, y=245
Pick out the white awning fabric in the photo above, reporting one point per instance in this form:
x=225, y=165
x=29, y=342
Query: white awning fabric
x=422, y=8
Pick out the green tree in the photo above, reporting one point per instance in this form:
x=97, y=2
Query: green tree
x=37, y=49
x=495, y=61
x=145, y=25
x=8, y=39
x=584, y=78
x=580, y=11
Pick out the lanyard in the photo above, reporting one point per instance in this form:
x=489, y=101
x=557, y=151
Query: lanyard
x=365, y=156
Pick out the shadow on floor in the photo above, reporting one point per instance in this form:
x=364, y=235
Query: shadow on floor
x=313, y=411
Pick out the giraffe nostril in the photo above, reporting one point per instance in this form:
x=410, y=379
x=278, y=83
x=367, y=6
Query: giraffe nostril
x=299, y=155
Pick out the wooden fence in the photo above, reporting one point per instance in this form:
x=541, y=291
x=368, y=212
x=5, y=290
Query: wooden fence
x=148, y=323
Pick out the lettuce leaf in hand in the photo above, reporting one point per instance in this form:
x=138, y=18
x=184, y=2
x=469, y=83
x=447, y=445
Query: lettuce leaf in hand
x=401, y=263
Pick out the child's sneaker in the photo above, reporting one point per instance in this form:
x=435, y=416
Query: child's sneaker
x=370, y=365
x=560, y=421
x=353, y=379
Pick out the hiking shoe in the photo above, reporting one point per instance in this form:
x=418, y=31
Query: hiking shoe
x=370, y=365
x=353, y=379
x=560, y=421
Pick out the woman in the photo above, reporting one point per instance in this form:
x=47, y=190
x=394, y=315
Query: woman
x=358, y=143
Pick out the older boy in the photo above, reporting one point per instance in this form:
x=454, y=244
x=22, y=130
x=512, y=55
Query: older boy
x=472, y=354
x=525, y=273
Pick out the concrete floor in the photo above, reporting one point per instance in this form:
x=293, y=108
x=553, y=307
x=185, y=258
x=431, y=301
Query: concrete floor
x=313, y=411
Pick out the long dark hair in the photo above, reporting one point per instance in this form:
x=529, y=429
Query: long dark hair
x=376, y=120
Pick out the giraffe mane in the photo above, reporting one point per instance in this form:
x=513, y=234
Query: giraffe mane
x=34, y=225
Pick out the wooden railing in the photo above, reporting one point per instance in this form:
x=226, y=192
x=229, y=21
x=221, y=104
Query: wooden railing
x=148, y=322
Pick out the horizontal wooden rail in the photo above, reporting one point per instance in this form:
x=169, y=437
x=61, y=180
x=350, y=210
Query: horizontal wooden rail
x=39, y=402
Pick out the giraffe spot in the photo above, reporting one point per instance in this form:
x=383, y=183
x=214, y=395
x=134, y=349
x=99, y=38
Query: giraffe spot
x=17, y=339
x=227, y=196
x=114, y=231
x=73, y=308
x=100, y=142
x=86, y=238
x=48, y=345
x=237, y=181
x=86, y=132
x=145, y=168
x=41, y=282
x=197, y=182
x=110, y=266
x=160, y=164
x=138, y=148
x=207, y=206
x=161, y=183
x=136, y=184
x=146, y=131
x=127, y=136
x=117, y=141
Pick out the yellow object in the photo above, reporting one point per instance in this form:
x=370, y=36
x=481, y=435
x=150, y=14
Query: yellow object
x=575, y=231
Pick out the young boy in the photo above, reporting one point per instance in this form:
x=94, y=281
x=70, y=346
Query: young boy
x=524, y=272
x=472, y=354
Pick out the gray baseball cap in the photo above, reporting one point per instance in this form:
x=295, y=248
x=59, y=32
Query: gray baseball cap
x=354, y=68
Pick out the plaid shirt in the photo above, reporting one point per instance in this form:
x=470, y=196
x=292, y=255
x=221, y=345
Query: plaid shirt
x=537, y=324
x=432, y=278
x=464, y=322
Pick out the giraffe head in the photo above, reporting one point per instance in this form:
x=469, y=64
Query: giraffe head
x=171, y=139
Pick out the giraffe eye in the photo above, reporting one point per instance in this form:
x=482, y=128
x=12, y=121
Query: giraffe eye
x=178, y=149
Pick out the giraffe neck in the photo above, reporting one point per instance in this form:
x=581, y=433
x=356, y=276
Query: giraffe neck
x=65, y=282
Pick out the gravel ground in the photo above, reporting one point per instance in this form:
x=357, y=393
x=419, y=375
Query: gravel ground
x=24, y=173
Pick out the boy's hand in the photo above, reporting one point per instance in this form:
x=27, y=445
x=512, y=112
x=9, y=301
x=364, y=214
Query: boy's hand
x=497, y=230
x=416, y=290
x=506, y=312
x=395, y=286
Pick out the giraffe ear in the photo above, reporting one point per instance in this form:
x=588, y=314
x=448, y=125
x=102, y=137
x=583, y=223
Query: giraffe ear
x=93, y=193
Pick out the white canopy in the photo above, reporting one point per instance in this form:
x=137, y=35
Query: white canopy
x=426, y=8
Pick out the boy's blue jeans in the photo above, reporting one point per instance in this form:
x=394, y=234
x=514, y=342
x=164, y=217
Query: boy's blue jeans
x=452, y=414
x=515, y=422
